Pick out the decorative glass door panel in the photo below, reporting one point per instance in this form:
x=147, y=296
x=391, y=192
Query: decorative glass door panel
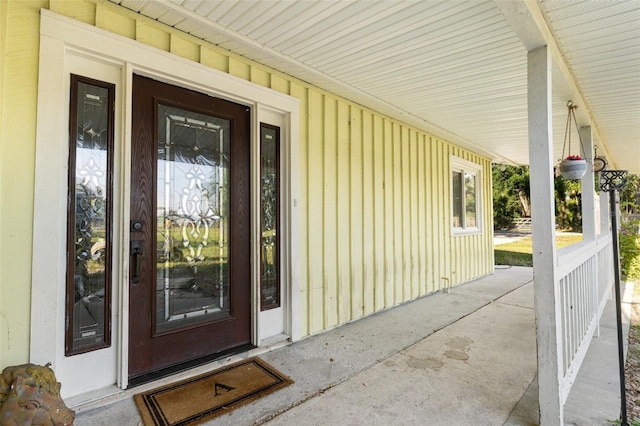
x=190, y=265
x=192, y=218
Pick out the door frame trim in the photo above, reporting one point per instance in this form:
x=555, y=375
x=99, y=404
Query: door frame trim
x=65, y=43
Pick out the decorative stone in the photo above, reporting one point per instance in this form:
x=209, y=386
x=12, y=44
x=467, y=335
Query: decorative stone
x=573, y=169
x=30, y=395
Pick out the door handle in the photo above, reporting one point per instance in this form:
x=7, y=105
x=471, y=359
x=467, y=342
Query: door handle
x=136, y=252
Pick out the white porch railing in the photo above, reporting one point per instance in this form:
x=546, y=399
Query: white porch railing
x=585, y=282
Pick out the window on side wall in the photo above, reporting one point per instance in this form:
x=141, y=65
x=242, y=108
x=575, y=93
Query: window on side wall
x=466, y=197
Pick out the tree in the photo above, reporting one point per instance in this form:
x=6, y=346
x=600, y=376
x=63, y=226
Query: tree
x=568, y=195
x=511, y=194
x=630, y=195
x=512, y=199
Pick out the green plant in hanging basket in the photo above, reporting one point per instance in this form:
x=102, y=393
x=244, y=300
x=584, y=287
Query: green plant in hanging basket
x=573, y=167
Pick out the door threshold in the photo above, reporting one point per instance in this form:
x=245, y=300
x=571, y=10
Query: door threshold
x=189, y=365
x=112, y=394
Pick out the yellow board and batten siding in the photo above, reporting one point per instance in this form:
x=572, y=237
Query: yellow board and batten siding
x=375, y=200
x=359, y=259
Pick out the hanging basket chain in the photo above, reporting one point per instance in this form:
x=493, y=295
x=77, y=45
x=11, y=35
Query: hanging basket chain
x=567, y=130
x=571, y=115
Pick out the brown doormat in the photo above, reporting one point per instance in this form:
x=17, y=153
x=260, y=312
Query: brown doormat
x=204, y=397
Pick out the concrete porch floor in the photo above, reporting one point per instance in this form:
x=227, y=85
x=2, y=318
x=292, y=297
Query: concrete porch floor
x=465, y=358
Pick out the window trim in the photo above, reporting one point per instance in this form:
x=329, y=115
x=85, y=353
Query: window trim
x=457, y=164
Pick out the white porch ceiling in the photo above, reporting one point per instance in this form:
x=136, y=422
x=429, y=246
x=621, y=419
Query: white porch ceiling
x=457, y=69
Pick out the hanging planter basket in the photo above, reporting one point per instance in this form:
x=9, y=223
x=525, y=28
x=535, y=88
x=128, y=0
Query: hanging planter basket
x=572, y=168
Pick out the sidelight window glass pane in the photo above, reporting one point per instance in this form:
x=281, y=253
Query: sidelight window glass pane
x=89, y=230
x=269, y=217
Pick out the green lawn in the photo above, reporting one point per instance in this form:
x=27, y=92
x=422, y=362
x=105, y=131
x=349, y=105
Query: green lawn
x=519, y=253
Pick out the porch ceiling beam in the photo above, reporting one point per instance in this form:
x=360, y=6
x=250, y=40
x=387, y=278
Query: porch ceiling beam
x=529, y=22
x=270, y=57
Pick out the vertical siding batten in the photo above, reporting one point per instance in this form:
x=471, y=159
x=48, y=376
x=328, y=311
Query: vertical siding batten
x=420, y=217
x=355, y=210
x=414, y=230
x=443, y=202
x=315, y=226
x=368, y=242
x=405, y=184
x=344, y=215
x=441, y=232
x=330, y=206
x=398, y=258
x=412, y=233
x=378, y=213
x=389, y=209
x=434, y=218
x=428, y=217
x=452, y=257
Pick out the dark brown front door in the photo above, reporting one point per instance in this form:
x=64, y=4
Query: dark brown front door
x=189, y=290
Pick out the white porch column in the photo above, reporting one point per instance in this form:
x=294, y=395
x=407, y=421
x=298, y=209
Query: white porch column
x=543, y=225
x=589, y=213
x=588, y=188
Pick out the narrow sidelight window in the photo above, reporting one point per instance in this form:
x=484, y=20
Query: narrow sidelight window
x=88, y=298
x=269, y=217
